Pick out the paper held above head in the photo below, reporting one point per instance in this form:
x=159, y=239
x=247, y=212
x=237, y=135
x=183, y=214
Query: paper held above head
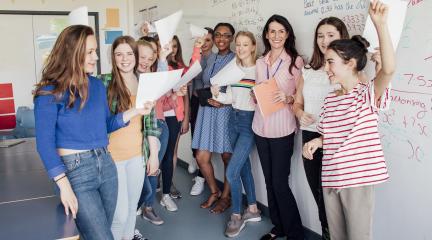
x=196, y=31
x=230, y=74
x=79, y=16
x=192, y=72
x=166, y=27
x=264, y=94
x=395, y=21
x=154, y=85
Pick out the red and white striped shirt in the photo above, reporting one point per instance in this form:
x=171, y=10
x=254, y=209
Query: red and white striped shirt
x=353, y=154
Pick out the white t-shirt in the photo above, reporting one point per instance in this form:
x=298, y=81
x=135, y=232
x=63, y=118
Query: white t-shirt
x=239, y=94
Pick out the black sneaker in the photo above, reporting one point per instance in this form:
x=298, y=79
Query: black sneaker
x=138, y=236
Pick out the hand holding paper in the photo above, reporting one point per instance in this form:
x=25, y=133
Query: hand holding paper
x=166, y=27
x=153, y=85
x=395, y=20
x=264, y=94
x=197, y=32
x=230, y=74
x=192, y=72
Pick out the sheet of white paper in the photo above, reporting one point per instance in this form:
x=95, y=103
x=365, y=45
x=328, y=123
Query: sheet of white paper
x=166, y=27
x=197, y=32
x=395, y=22
x=79, y=16
x=154, y=85
x=230, y=74
x=192, y=72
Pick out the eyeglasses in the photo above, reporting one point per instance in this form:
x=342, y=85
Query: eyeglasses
x=224, y=36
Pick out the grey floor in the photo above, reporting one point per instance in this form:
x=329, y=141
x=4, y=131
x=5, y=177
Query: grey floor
x=30, y=210
x=192, y=222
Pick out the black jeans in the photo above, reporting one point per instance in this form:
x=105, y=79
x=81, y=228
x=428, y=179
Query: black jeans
x=167, y=165
x=275, y=156
x=194, y=103
x=313, y=174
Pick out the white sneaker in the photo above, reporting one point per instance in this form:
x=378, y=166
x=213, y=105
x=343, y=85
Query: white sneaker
x=168, y=203
x=198, y=186
x=139, y=212
x=192, y=166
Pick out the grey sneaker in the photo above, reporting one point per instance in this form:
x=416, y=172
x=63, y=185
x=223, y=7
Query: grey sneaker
x=234, y=226
x=168, y=203
x=174, y=193
x=150, y=215
x=251, y=217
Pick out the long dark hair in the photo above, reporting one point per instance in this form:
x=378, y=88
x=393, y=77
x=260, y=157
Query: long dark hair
x=117, y=89
x=289, y=43
x=178, y=58
x=354, y=48
x=64, y=68
x=317, y=60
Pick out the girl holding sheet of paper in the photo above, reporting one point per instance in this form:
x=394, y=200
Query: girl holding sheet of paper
x=211, y=129
x=242, y=137
x=72, y=125
x=312, y=89
x=274, y=134
x=353, y=159
x=170, y=108
x=131, y=145
x=148, y=56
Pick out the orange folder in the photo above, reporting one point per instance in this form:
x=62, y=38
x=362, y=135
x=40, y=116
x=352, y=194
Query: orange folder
x=264, y=93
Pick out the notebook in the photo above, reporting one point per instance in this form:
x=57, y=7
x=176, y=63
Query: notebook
x=264, y=96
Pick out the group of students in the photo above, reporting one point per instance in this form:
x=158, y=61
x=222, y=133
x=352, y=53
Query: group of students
x=104, y=154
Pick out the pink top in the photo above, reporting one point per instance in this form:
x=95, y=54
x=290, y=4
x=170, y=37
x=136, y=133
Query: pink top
x=283, y=122
x=166, y=103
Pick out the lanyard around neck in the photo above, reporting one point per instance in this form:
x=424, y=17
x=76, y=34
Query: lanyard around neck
x=268, y=72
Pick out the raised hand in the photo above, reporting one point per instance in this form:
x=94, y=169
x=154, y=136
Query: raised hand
x=165, y=51
x=199, y=42
x=378, y=12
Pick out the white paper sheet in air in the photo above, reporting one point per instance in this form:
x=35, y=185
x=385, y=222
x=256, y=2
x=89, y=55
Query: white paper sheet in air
x=230, y=74
x=166, y=27
x=395, y=22
x=154, y=85
x=79, y=16
x=192, y=72
x=196, y=31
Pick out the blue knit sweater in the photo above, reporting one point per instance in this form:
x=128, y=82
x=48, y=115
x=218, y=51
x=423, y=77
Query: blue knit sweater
x=60, y=127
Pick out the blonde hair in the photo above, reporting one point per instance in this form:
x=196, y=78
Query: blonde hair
x=251, y=36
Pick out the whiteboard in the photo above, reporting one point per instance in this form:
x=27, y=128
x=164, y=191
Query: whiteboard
x=403, y=204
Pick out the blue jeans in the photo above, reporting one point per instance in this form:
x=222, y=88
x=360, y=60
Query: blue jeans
x=239, y=167
x=93, y=177
x=148, y=194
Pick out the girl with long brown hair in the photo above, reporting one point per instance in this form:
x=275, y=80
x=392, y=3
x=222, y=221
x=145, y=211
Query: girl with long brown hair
x=131, y=147
x=72, y=122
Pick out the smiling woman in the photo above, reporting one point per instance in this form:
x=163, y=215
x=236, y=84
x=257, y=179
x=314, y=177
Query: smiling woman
x=274, y=135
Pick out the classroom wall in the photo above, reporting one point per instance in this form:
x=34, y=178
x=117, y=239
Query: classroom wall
x=19, y=66
x=403, y=203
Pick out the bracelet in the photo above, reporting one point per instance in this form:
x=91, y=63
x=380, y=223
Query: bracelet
x=60, y=178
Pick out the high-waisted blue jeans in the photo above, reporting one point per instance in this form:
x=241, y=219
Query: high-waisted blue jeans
x=239, y=167
x=93, y=177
